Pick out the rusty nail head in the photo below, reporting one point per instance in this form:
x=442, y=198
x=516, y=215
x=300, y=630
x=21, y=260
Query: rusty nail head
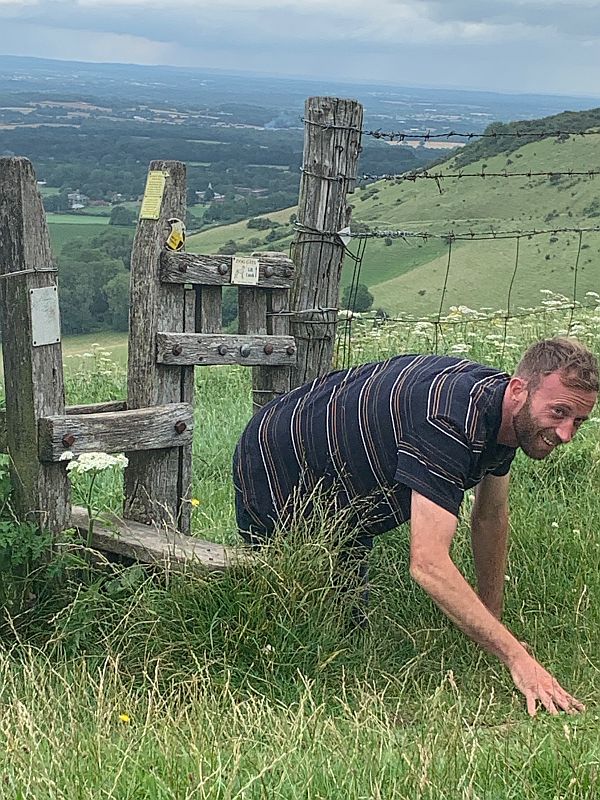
x=268, y=348
x=223, y=269
x=245, y=350
x=177, y=350
x=290, y=350
x=222, y=349
x=68, y=440
x=287, y=272
x=269, y=271
x=180, y=426
x=182, y=266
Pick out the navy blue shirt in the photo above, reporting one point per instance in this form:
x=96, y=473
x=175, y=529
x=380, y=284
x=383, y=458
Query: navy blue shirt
x=365, y=437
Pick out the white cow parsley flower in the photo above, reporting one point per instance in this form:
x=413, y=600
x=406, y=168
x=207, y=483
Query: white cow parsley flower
x=96, y=462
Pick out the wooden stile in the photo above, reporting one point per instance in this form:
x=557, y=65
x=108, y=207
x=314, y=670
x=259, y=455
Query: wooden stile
x=175, y=325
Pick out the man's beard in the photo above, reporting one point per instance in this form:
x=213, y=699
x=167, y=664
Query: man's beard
x=529, y=434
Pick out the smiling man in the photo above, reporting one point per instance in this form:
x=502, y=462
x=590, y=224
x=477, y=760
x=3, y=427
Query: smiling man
x=401, y=440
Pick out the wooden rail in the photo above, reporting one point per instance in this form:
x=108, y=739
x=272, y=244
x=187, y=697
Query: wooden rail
x=274, y=271
x=116, y=431
x=207, y=349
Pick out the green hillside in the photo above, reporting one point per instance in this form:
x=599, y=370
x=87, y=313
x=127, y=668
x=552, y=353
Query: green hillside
x=407, y=277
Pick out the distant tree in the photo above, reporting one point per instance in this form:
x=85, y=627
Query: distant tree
x=116, y=293
x=86, y=281
x=120, y=215
x=115, y=243
x=229, y=248
x=259, y=223
x=361, y=300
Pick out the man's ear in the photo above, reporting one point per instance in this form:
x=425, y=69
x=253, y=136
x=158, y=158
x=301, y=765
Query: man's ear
x=517, y=391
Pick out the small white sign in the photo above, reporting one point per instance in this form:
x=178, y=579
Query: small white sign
x=244, y=271
x=45, y=317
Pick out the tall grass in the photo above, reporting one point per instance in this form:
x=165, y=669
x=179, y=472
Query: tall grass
x=126, y=683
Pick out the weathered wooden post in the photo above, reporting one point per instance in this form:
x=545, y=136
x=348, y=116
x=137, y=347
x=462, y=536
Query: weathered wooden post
x=31, y=346
x=157, y=481
x=331, y=147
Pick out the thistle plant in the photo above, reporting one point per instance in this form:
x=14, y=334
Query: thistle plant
x=90, y=465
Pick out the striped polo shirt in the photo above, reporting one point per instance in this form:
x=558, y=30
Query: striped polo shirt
x=364, y=437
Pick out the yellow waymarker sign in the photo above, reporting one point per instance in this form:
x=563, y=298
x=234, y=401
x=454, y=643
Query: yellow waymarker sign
x=153, y=194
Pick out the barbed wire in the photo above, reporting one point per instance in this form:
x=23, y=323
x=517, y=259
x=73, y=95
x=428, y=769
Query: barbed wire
x=401, y=136
x=451, y=318
x=439, y=176
x=469, y=236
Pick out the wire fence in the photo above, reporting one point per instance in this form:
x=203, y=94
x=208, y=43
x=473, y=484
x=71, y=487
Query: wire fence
x=569, y=311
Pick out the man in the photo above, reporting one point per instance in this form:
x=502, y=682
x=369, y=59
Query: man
x=402, y=440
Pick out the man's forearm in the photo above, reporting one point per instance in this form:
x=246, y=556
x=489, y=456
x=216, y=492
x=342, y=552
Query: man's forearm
x=489, y=539
x=451, y=592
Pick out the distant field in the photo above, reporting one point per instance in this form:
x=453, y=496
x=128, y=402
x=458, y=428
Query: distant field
x=61, y=232
x=74, y=347
x=76, y=219
x=210, y=240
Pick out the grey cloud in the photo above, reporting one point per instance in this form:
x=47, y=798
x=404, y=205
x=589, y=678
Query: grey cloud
x=580, y=19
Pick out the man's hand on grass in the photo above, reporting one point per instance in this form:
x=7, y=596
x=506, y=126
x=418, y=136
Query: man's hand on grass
x=538, y=685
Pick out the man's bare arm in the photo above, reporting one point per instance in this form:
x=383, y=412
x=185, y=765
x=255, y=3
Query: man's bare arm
x=432, y=531
x=489, y=539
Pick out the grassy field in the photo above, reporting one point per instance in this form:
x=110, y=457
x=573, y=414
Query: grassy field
x=120, y=683
x=62, y=231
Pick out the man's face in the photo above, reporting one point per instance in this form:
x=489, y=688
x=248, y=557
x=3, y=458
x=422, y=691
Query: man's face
x=550, y=415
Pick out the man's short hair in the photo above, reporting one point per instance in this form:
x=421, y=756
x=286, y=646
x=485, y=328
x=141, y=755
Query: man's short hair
x=578, y=366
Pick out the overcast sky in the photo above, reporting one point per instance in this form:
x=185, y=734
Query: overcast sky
x=513, y=45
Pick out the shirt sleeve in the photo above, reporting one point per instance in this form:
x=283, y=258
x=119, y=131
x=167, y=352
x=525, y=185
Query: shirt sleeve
x=435, y=461
x=504, y=467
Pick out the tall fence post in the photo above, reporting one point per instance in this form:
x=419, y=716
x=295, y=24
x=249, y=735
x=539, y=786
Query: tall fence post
x=31, y=346
x=332, y=141
x=157, y=482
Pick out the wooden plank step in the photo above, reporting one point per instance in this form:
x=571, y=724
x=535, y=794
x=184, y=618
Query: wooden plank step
x=153, y=428
x=151, y=544
x=214, y=349
x=275, y=270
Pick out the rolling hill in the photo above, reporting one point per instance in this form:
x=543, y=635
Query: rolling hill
x=409, y=276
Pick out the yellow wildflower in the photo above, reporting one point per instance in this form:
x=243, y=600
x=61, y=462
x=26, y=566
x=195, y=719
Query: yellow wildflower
x=195, y=502
x=124, y=718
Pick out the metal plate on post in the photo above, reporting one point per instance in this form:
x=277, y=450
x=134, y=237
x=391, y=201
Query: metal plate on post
x=45, y=317
x=244, y=271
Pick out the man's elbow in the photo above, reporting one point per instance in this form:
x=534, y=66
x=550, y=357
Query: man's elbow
x=427, y=569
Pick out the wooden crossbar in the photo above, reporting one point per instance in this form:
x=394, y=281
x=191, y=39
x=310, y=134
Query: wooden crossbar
x=206, y=349
x=275, y=271
x=152, y=428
